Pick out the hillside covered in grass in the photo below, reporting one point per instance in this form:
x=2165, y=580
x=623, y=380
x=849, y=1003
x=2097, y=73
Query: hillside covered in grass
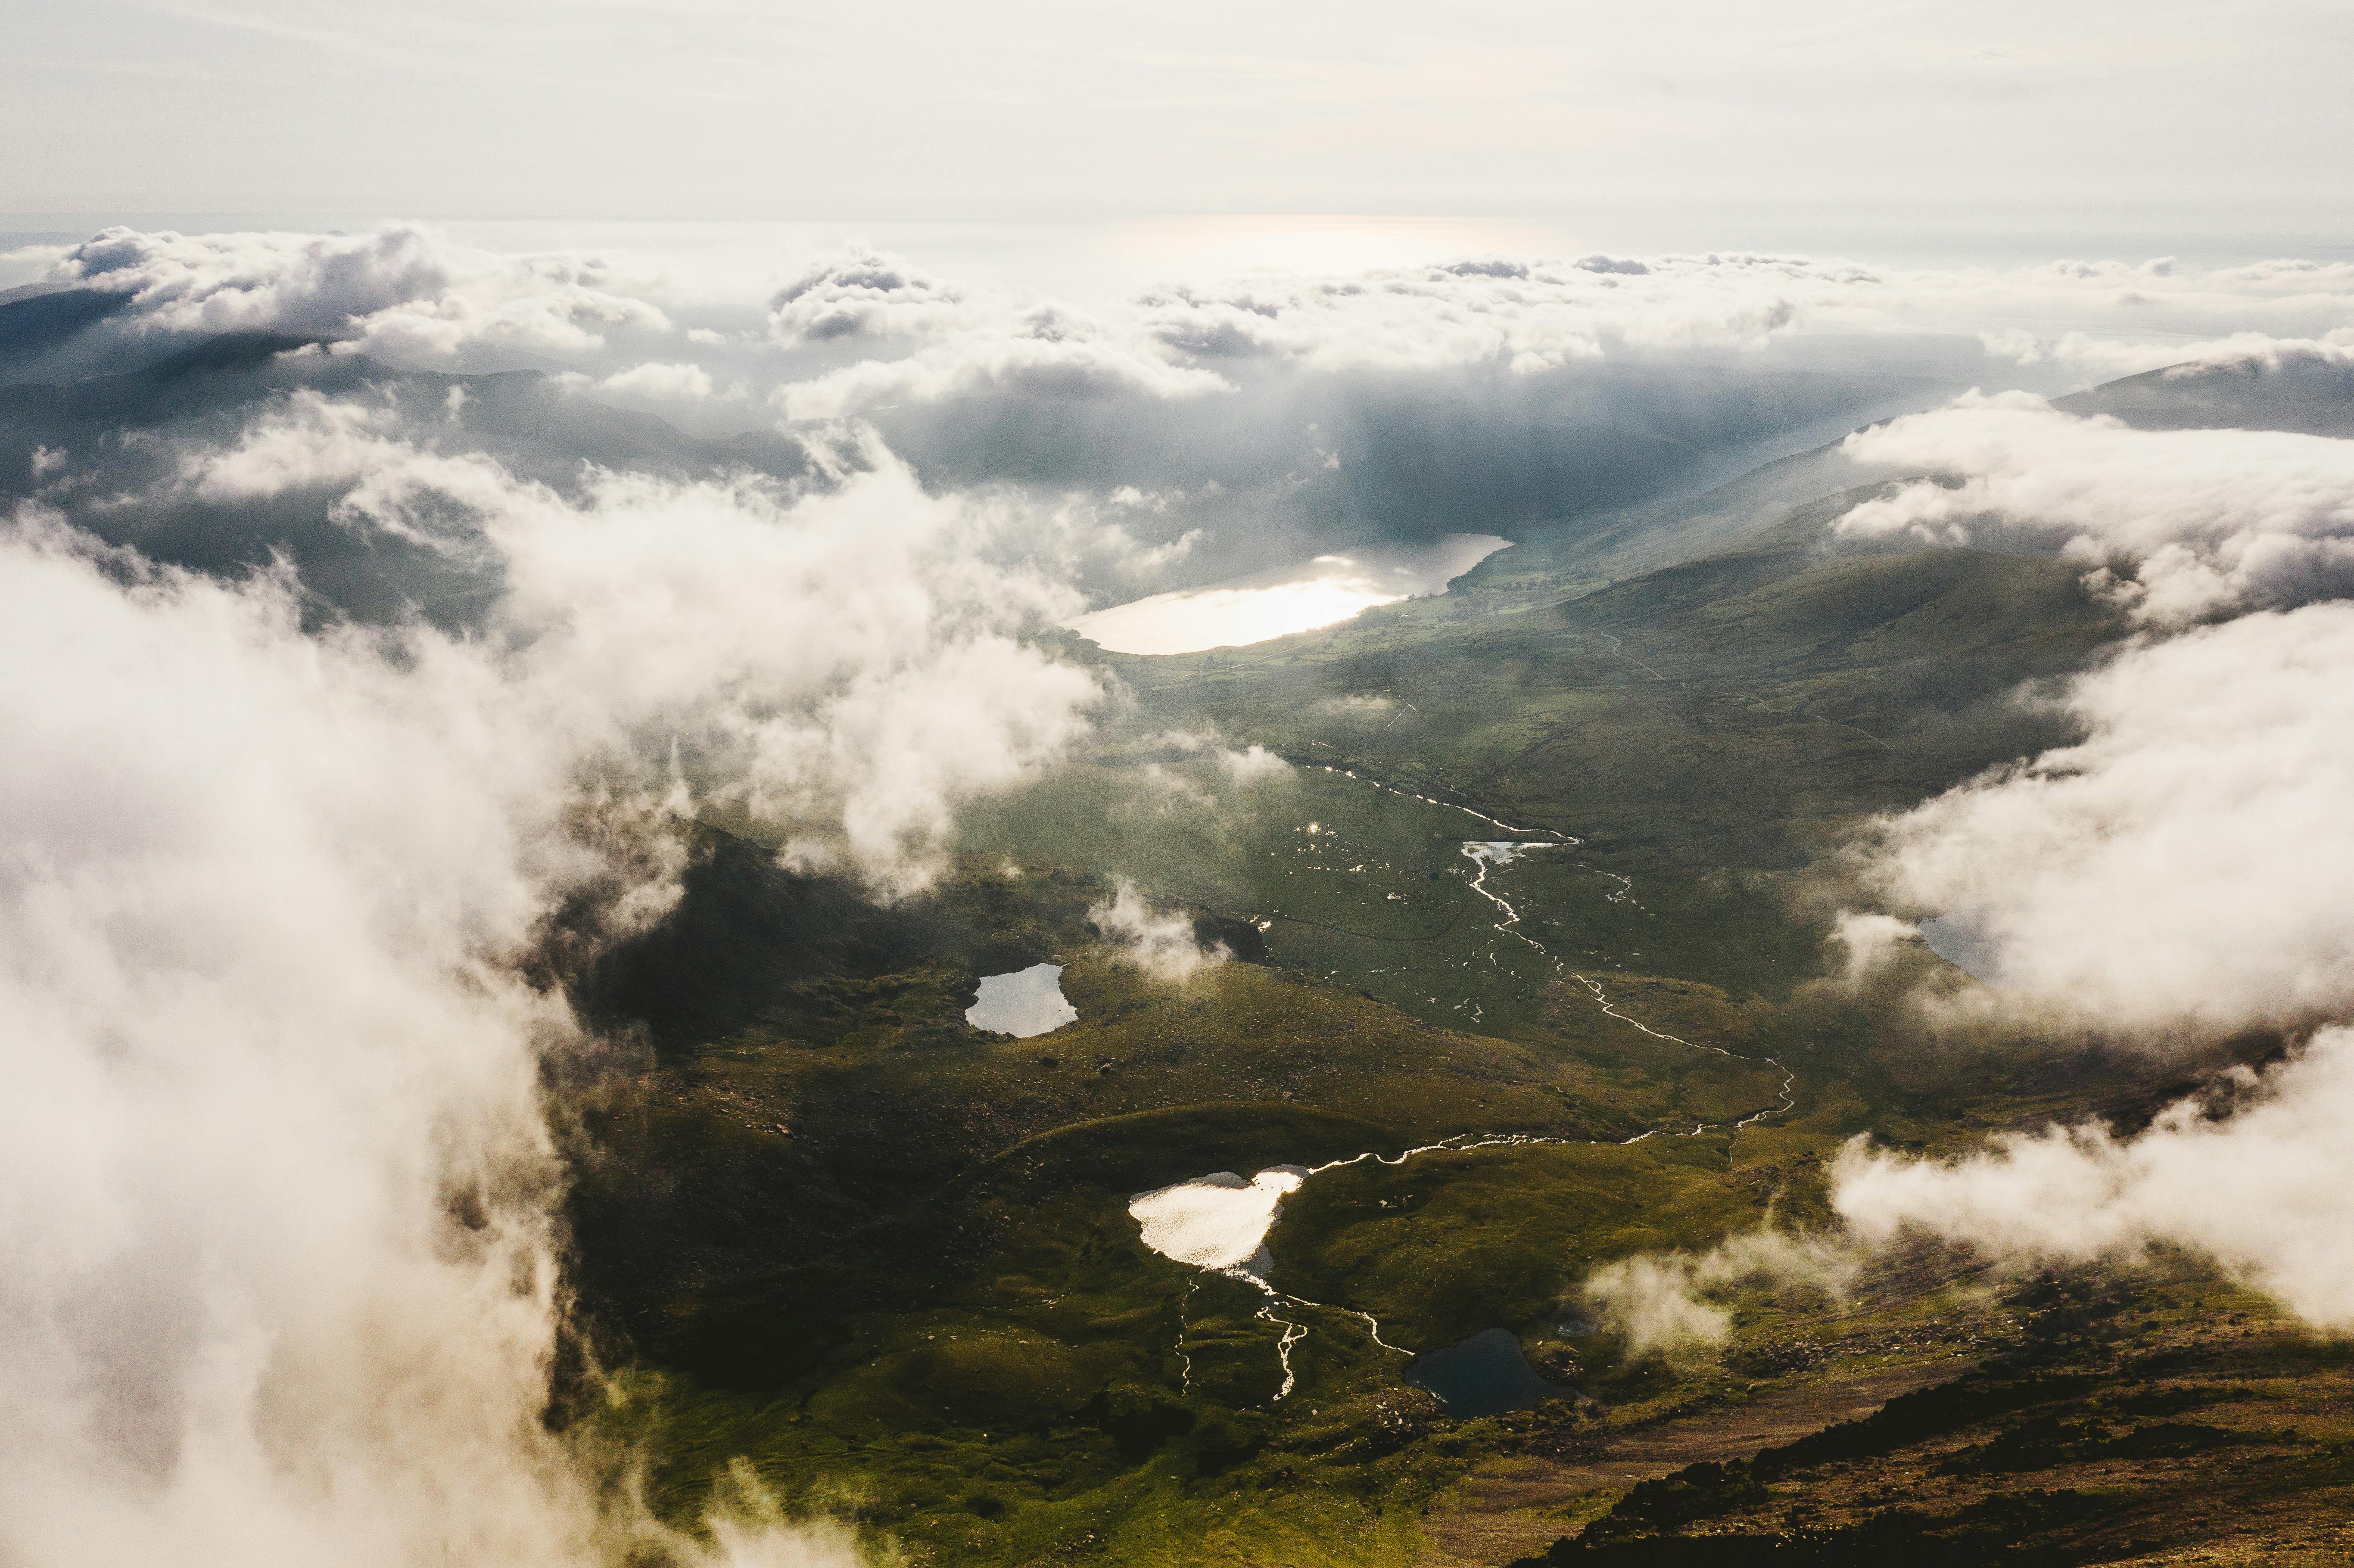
x=836, y=1232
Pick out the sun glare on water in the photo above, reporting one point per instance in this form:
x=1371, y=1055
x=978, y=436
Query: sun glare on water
x=1315, y=593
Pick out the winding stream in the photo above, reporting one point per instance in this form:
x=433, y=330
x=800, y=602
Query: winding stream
x=1219, y=1222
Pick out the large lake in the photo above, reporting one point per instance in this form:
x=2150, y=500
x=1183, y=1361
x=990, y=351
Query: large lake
x=1323, y=591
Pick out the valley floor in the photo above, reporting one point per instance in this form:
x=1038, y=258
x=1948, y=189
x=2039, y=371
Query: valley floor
x=886, y=1259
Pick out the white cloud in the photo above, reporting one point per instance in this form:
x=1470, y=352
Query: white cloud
x=1669, y=1304
x=2103, y=358
x=841, y=661
x=1045, y=354
x=1253, y=763
x=656, y=382
x=2138, y=303
x=260, y=917
x=2266, y=1191
x=404, y=290
x=2185, y=866
x=1542, y=314
x=2189, y=864
x=265, y=903
x=2255, y=1175
x=1162, y=945
x=1528, y=316
x=415, y=296
x=1209, y=779
x=2205, y=522
x=861, y=292
x=304, y=442
x=2187, y=870
x=1866, y=941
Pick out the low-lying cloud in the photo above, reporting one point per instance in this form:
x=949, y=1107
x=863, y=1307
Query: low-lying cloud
x=2181, y=524
x=276, y=1184
x=405, y=291
x=1162, y=944
x=852, y=657
x=2253, y=1175
x=2184, y=872
x=1670, y=1304
x=2266, y=1191
x=2189, y=865
x=2183, y=867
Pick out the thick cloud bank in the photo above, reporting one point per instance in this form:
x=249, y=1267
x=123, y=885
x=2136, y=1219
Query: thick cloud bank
x=2190, y=864
x=2267, y=1192
x=1264, y=419
x=262, y=905
x=2198, y=522
x=403, y=290
x=276, y=1188
x=861, y=327
x=2186, y=871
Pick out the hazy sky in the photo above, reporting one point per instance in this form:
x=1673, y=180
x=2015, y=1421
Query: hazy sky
x=1693, y=121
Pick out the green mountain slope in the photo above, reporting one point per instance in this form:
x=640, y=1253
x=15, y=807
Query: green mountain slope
x=831, y=1229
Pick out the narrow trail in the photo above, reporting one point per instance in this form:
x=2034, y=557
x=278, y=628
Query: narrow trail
x=1617, y=647
x=1818, y=718
x=1489, y=855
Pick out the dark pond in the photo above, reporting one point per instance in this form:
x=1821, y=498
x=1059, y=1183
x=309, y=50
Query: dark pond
x=1485, y=1375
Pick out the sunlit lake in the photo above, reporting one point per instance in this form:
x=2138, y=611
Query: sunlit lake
x=1023, y=1003
x=1219, y=1220
x=1323, y=591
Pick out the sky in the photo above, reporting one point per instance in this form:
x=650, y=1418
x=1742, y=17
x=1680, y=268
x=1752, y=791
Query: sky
x=1832, y=125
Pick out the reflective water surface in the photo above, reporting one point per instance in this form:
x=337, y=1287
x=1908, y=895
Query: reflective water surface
x=1023, y=1003
x=1319, y=592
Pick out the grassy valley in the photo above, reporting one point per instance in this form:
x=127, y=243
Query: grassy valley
x=834, y=1231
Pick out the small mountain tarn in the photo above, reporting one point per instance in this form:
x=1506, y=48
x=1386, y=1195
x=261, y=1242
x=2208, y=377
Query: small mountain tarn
x=1486, y=1374
x=1024, y=1003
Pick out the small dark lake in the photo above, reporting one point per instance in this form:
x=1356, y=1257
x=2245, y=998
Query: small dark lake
x=1485, y=1375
